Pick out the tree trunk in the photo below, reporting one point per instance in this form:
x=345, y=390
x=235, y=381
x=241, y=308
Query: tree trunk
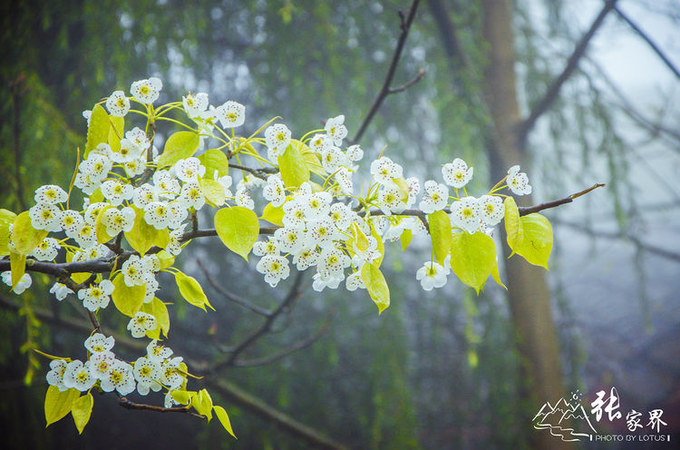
x=528, y=292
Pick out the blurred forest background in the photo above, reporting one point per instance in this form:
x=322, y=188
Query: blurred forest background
x=577, y=92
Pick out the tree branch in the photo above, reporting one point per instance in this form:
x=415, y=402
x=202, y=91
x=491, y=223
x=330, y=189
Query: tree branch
x=232, y=297
x=287, y=351
x=649, y=41
x=128, y=404
x=385, y=90
x=554, y=89
x=293, y=294
x=64, y=270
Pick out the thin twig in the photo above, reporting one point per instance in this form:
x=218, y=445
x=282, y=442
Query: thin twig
x=128, y=404
x=232, y=297
x=288, y=350
x=649, y=41
x=293, y=294
x=260, y=172
x=554, y=89
x=385, y=90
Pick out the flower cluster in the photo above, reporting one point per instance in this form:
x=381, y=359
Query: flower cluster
x=141, y=206
x=153, y=372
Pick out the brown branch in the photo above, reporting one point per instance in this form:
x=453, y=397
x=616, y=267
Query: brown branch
x=532, y=209
x=232, y=297
x=403, y=87
x=63, y=271
x=554, y=89
x=385, y=89
x=293, y=294
x=261, y=172
x=291, y=349
x=128, y=404
x=649, y=41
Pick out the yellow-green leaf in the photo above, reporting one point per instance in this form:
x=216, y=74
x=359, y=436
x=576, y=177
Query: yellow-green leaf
x=293, y=166
x=381, y=245
x=58, y=404
x=192, y=291
x=143, y=236
x=160, y=312
x=98, y=129
x=473, y=258
x=224, y=419
x=212, y=190
x=497, y=276
x=166, y=259
x=17, y=264
x=440, y=233
x=313, y=162
x=214, y=160
x=203, y=404
x=7, y=218
x=273, y=214
x=513, y=225
x=238, y=228
x=26, y=238
x=181, y=397
x=405, y=239
x=78, y=277
x=538, y=240
x=102, y=235
x=81, y=411
x=116, y=132
x=180, y=145
x=128, y=299
x=376, y=285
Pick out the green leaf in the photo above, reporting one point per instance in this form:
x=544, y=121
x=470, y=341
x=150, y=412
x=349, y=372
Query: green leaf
x=127, y=299
x=238, y=228
x=182, y=397
x=98, y=129
x=203, y=404
x=293, y=165
x=26, y=238
x=17, y=264
x=180, y=145
x=81, y=411
x=224, y=419
x=214, y=161
x=7, y=218
x=513, y=225
x=376, y=285
x=58, y=404
x=212, y=190
x=116, y=132
x=473, y=258
x=405, y=239
x=538, y=240
x=440, y=233
x=102, y=236
x=381, y=245
x=273, y=214
x=143, y=236
x=192, y=291
x=160, y=312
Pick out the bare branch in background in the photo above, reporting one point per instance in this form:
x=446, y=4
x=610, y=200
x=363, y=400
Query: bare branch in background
x=621, y=235
x=292, y=295
x=230, y=296
x=386, y=90
x=291, y=349
x=649, y=41
x=554, y=89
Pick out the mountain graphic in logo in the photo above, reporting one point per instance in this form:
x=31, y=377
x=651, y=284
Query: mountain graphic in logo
x=568, y=421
